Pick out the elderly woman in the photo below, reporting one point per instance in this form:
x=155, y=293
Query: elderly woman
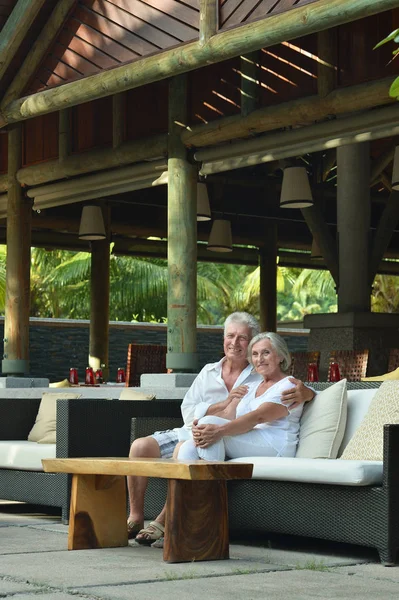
x=258, y=424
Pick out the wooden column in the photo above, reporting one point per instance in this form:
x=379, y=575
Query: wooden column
x=353, y=225
x=99, y=300
x=182, y=239
x=208, y=20
x=19, y=215
x=64, y=134
x=118, y=119
x=250, y=88
x=268, y=280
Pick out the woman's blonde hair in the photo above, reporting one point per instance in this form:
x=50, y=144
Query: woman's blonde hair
x=279, y=345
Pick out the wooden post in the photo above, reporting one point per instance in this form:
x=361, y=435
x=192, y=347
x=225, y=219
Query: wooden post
x=268, y=280
x=250, y=88
x=99, y=301
x=327, y=65
x=208, y=20
x=118, y=119
x=19, y=215
x=353, y=226
x=182, y=239
x=64, y=134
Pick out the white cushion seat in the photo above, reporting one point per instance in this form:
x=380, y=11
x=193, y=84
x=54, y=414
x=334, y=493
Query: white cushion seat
x=24, y=455
x=316, y=470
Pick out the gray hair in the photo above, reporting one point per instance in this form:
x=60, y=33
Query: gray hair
x=243, y=318
x=278, y=344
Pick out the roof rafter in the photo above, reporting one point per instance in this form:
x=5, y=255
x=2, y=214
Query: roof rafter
x=275, y=29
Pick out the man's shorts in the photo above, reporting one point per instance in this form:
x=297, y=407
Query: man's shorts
x=167, y=442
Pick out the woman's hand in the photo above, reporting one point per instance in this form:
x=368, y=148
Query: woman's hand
x=238, y=393
x=206, y=435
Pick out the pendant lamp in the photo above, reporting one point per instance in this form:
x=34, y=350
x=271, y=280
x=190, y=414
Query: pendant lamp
x=220, y=238
x=295, y=190
x=92, y=224
x=203, y=208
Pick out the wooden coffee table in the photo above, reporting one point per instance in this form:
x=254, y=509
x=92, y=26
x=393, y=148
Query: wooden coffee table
x=196, y=526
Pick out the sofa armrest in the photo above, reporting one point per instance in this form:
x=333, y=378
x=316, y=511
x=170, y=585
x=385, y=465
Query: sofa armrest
x=391, y=453
x=143, y=426
x=17, y=417
x=90, y=427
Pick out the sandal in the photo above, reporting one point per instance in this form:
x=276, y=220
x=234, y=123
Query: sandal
x=152, y=532
x=132, y=529
x=159, y=543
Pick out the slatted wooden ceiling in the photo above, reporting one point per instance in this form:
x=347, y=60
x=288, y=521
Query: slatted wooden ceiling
x=101, y=34
x=235, y=12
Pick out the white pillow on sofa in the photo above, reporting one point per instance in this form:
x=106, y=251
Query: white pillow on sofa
x=323, y=423
x=44, y=429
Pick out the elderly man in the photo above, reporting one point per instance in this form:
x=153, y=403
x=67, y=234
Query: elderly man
x=217, y=382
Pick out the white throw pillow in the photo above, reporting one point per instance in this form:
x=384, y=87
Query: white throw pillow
x=44, y=429
x=323, y=423
x=129, y=393
x=367, y=442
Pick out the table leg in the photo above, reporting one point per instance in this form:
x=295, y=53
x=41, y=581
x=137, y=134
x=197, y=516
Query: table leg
x=98, y=512
x=197, y=525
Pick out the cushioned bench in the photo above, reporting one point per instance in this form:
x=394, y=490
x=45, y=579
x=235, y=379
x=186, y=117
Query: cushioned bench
x=352, y=501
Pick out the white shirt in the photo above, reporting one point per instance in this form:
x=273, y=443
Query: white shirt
x=209, y=388
x=282, y=433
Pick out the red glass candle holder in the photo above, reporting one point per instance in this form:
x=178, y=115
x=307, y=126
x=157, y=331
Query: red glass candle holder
x=73, y=376
x=99, y=376
x=335, y=375
x=313, y=373
x=120, y=376
x=89, y=377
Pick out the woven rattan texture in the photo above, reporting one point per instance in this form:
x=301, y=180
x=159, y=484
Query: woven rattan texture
x=144, y=358
x=393, y=359
x=157, y=488
x=17, y=417
x=352, y=363
x=300, y=363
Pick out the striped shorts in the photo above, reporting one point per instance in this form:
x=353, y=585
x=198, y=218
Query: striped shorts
x=167, y=442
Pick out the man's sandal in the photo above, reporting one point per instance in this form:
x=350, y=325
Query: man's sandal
x=150, y=534
x=132, y=529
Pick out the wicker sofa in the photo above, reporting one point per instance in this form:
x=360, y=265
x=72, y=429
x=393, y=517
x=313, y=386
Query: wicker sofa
x=85, y=427
x=366, y=515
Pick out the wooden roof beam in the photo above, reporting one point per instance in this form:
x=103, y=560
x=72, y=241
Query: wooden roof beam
x=300, y=112
x=14, y=31
x=275, y=29
x=38, y=50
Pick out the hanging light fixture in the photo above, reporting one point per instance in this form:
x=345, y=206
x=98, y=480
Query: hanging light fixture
x=220, y=238
x=295, y=191
x=395, y=171
x=92, y=224
x=203, y=208
x=315, y=253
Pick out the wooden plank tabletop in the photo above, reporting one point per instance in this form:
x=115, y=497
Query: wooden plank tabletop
x=149, y=467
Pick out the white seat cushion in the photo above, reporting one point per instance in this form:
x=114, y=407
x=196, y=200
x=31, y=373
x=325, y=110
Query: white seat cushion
x=316, y=470
x=24, y=455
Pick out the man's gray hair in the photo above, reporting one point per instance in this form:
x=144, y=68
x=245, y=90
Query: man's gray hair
x=243, y=318
x=279, y=345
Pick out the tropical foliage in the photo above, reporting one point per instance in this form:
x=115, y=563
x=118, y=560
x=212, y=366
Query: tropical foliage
x=60, y=287
x=392, y=37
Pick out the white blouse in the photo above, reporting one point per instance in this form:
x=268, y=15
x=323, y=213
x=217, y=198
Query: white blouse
x=282, y=433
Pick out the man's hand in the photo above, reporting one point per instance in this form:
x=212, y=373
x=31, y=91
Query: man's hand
x=205, y=435
x=298, y=395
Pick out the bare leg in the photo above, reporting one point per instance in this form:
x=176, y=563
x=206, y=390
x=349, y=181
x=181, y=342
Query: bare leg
x=147, y=448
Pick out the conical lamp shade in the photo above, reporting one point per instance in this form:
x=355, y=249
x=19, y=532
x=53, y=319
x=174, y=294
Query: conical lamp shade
x=203, y=208
x=295, y=191
x=92, y=224
x=395, y=172
x=315, y=253
x=220, y=239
